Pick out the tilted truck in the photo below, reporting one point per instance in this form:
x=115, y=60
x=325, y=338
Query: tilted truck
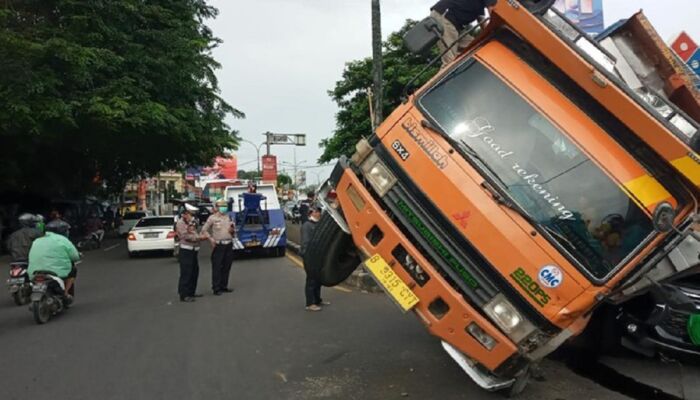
x=521, y=188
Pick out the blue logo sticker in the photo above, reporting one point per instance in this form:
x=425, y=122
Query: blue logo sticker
x=550, y=276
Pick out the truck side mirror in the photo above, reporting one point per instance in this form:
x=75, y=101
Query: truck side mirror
x=664, y=215
x=422, y=37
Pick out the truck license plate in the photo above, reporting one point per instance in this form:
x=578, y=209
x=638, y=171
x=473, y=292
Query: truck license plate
x=392, y=284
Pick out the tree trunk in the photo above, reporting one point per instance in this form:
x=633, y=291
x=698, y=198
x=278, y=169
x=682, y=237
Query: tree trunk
x=378, y=67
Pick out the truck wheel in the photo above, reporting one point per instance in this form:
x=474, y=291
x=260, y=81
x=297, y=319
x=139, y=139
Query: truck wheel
x=281, y=251
x=331, y=254
x=537, y=7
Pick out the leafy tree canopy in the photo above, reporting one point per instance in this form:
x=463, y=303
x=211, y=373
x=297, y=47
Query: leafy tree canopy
x=351, y=93
x=103, y=91
x=283, y=179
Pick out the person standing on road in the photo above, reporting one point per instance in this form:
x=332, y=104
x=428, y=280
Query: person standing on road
x=313, y=286
x=305, y=207
x=186, y=231
x=219, y=229
x=454, y=16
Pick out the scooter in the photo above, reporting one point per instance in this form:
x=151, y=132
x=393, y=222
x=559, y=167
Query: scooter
x=48, y=296
x=19, y=284
x=91, y=241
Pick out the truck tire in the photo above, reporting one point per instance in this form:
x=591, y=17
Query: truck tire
x=537, y=7
x=331, y=255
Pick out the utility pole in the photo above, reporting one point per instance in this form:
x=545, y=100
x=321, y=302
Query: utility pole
x=378, y=63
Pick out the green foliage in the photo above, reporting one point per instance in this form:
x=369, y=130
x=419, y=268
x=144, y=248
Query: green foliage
x=247, y=175
x=113, y=89
x=350, y=94
x=283, y=179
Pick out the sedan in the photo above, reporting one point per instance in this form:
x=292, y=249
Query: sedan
x=152, y=234
x=130, y=219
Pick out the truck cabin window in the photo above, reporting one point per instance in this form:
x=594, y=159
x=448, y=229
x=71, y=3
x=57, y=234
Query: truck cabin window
x=584, y=211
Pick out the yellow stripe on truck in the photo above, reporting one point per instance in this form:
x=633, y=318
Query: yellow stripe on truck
x=689, y=167
x=648, y=190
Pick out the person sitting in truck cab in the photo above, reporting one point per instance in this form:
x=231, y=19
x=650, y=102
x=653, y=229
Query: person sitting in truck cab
x=454, y=16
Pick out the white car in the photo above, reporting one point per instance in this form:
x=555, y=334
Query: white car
x=152, y=234
x=130, y=219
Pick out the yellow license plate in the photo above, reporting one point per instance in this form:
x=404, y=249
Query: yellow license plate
x=252, y=244
x=392, y=284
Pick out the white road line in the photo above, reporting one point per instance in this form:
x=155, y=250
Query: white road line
x=113, y=247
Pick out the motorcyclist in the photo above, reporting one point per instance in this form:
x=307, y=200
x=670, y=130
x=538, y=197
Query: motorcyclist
x=94, y=225
x=21, y=240
x=54, y=253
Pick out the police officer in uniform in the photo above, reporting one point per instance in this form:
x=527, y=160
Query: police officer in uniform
x=189, y=251
x=219, y=229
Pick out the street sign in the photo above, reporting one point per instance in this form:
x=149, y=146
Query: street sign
x=279, y=139
x=694, y=64
x=684, y=46
x=269, y=171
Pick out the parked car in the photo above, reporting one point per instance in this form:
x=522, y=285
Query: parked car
x=130, y=219
x=152, y=234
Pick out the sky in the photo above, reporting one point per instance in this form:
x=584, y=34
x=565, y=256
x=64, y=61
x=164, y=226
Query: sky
x=280, y=57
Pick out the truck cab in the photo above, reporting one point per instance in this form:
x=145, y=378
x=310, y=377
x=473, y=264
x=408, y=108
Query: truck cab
x=518, y=190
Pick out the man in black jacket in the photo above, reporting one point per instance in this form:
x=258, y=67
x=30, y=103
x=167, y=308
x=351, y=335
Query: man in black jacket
x=455, y=15
x=313, y=286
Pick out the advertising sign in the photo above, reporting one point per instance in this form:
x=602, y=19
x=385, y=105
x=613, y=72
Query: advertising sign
x=586, y=14
x=269, y=168
x=684, y=46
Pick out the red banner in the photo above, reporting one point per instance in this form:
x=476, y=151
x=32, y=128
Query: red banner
x=269, y=168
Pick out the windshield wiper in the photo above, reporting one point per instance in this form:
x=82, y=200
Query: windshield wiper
x=495, y=193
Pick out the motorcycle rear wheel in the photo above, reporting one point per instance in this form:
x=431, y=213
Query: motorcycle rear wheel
x=20, y=299
x=41, y=311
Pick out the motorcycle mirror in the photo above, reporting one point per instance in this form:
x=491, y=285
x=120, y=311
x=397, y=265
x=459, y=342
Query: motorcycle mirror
x=664, y=215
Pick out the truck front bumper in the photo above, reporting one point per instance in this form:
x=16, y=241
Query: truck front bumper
x=442, y=309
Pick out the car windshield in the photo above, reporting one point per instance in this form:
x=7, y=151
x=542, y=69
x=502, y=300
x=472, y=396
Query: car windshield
x=544, y=173
x=153, y=222
x=134, y=215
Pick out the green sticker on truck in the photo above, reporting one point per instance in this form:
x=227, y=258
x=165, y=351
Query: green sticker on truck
x=436, y=244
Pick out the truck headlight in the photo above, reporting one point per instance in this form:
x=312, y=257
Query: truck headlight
x=378, y=175
x=508, y=319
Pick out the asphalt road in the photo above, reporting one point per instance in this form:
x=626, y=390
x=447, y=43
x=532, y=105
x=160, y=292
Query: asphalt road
x=127, y=337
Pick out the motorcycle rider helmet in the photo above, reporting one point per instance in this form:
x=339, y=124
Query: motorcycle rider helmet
x=58, y=227
x=27, y=220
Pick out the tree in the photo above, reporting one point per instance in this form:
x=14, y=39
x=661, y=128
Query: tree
x=94, y=93
x=283, y=180
x=248, y=175
x=350, y=94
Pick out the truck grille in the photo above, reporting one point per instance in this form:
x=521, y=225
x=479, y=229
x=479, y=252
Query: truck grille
x=459, y=262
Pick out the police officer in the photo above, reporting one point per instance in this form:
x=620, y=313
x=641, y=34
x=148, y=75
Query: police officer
x=219, y=229
x=189, y=250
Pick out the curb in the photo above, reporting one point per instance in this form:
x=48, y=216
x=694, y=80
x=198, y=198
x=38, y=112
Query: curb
x=360, y=278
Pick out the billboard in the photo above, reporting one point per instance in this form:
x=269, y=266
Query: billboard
x=269, y=168
x=688, y=50
x=586, y=14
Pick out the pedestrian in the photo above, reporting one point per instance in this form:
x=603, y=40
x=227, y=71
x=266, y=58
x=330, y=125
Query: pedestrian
x=454, y=16
x=313, y=286
x=219, y=229
x=305, y=207
x=189, y=251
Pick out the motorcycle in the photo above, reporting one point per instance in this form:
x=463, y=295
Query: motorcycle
x=48, y=296
x=19, y=284
x=92, y=240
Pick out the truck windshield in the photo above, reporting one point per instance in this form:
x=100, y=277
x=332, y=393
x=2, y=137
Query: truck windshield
x=543, y=172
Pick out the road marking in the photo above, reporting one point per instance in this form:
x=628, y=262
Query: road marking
x=113, y=247
x=296, y=260
x=300, y=264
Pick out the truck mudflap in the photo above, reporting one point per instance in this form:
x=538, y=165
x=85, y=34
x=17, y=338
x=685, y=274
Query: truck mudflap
x=441, y=308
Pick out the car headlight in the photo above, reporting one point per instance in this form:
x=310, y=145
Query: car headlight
x=378, y=175
x=508, y=319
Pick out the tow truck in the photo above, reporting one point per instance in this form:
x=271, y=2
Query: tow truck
x=519, y=190
x=260, y=224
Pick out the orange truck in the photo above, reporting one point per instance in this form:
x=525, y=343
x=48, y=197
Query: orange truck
x=524, y=186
